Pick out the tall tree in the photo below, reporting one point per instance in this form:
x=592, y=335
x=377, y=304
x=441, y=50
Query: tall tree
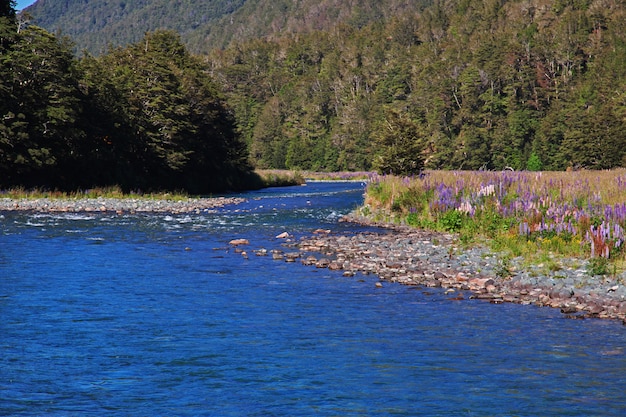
x=171, y=124
x=401, y=145
x=41, y=108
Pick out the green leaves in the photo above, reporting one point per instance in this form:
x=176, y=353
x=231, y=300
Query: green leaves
x=400, y=146
x=176, y=130
x=143, y=117
x=40, y=107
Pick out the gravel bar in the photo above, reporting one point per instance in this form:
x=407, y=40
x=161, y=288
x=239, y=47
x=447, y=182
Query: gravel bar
x=117, y=205
x=416, y=257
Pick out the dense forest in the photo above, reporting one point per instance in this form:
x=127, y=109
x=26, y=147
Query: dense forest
x=94, y=26
x=204, y=25
x=330, y=85
x=145, y=116
x=489, y=84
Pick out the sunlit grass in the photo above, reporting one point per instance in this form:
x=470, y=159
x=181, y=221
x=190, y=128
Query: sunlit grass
x=280, y=178
x=98, y=192
x=529, y=214
x=337, y=176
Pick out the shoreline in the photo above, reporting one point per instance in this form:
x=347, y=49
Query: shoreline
x=429, y=259
x=116, y=205
x=400, y=254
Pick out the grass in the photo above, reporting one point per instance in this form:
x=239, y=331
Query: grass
x=98, y=192
x=298, y=177
x=539, y=216
x=337, y=176
x=280, y=178
x=266, y=178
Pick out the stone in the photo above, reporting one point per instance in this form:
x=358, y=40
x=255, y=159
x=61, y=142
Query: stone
x=322, y=263
x=283, y=235
x=237, y=242
x=407, y=256
x=480, y=283
x=334, y=266
x=292, y=255
x=461, y=277
x=440, y=276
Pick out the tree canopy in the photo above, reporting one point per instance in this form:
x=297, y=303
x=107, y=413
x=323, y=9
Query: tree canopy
x=147, y=116
x=486, y=84
x=445, y=84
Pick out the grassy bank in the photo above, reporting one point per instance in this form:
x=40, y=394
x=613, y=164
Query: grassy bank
x=541, y=216
x=299, y=177
x=259, y=179
x=279, y=178
x=98, y=192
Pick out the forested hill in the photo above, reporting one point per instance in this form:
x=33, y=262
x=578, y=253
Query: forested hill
x=204, y=24
x=95, y=25
x=145, y=117
x=397, y=85
x=530, y=84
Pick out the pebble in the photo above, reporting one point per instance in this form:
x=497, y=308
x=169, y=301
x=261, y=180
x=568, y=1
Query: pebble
x=116, y=205
x=411, y=256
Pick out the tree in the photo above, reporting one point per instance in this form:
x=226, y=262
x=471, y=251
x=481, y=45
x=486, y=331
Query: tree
x=41, y=107
x=165, y=117
x=400, y=145
x=7, y=9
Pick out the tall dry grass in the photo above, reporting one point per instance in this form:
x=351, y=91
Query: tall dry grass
x=580, y=213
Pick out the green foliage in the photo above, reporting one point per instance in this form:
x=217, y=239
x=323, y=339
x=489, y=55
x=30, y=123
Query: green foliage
x=534, y=163
x=143, y=117
x=480, y=86
x=598, y=266
x=503, y=268
x=400, y=146
x=205, y=25
x=39, y=109
x=392, y=85
x=451, y=220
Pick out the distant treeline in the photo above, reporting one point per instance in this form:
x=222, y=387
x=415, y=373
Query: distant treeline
x=143, y=117
x=490, y=84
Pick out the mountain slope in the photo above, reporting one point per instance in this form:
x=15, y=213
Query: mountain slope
x=95, y=25
x=203, y=25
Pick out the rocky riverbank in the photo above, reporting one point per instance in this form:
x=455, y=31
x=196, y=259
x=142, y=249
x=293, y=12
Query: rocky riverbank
x=416, y=257
x=116, y=205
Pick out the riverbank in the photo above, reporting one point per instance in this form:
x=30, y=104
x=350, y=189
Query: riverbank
x=417, y=257
x=116, y=205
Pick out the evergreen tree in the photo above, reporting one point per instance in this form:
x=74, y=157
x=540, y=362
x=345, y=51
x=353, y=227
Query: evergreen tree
x=165, y=117
x=400, y=146
x=41, y=106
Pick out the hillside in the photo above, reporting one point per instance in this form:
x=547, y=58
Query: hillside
x=391, y=85
x=94, y=25
x=485, y=84
x=203, y=25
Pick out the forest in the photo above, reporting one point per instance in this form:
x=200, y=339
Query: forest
x=142, y=117
x=462, y=85
x=340, y=86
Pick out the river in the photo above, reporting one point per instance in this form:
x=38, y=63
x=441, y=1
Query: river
x=155, y=315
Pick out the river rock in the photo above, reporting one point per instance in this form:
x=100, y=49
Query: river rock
x=322, y=263
x=409, y=256
x=480, y=283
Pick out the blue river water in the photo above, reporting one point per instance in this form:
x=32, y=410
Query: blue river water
x=155, y=315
